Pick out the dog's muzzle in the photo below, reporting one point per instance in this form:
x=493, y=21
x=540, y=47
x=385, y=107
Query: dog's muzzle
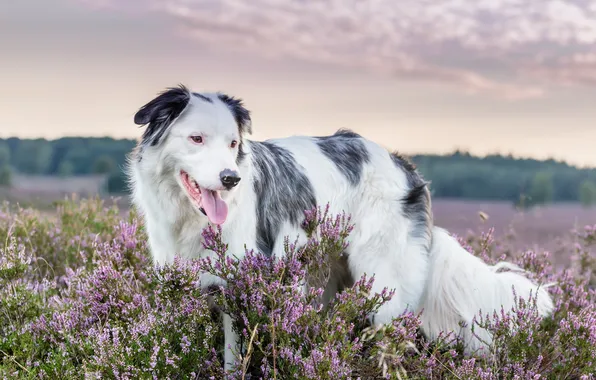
x=229, y=178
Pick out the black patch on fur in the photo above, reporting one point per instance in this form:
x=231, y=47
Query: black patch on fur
x=160, y=112
x=241, y=114
x=402, y=162
x=417, y=203
x=202, y=97
x=282, y=189
x=241, y=153
x=243, y=120
x=346, y=133
x=346, y=149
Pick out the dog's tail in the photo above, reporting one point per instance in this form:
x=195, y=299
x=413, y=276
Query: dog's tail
x=460, y=285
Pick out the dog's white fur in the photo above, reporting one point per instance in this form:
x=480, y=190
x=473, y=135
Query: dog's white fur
x=428, y=269
x=460, y=286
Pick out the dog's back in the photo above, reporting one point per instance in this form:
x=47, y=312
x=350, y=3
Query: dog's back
x=387, y=199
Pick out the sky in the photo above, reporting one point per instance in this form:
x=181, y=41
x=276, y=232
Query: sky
x=419, y=76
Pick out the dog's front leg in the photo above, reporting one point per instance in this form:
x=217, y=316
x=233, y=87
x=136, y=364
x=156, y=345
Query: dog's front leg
x=231, y=339
x=161, y=242
x=232, y=342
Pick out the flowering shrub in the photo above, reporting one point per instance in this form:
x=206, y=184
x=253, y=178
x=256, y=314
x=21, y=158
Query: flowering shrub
x=80, y=298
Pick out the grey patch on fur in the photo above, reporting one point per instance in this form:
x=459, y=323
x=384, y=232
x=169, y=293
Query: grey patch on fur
x=282, y=190
x=417, y=202
x=139, y=152
x=346, y=149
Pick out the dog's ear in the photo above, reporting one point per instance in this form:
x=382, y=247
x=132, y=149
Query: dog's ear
x=160, y=112
x=241, y=114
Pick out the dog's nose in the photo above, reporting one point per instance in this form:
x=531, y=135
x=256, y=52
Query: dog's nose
x=229, y=178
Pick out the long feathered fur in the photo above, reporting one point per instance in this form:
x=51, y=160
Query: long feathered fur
x=460, y=286
x=394, y=238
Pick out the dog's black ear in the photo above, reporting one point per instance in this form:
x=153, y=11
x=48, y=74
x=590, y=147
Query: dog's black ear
x=241, y=114
x=160, y=112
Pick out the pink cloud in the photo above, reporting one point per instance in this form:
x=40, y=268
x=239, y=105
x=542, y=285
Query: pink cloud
x=535, y=43
x=573, y=70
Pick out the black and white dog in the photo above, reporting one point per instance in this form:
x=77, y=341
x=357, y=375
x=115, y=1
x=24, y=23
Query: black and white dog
x=195, y=166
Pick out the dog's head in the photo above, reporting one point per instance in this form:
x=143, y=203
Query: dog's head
x=200, y=136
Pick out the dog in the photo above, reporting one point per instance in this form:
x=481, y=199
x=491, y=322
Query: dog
x=196, y=165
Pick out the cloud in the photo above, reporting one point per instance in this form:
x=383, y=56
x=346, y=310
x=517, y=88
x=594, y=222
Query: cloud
x=511, y=48
x=577, y=69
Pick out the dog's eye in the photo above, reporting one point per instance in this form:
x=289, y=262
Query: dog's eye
x=196, y=139
x=233, y=144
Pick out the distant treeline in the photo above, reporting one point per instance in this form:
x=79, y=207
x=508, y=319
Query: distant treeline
x=496, y=177
x=66, y=156
x=458, y=175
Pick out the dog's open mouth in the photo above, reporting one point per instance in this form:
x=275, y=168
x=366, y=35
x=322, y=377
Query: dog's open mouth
x=208, y=201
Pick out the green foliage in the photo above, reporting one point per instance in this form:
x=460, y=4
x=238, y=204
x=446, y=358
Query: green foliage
x=542, y=188
x=33, y=156
x=86, y=154
x=116, y=183
x=587, y=193
x=65, y=169
x=496, y=177
x=104, y=164
x=5, y=171
x=5, y=175
x=4, y=154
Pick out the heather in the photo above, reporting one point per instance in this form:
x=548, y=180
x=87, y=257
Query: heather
x=80, y=298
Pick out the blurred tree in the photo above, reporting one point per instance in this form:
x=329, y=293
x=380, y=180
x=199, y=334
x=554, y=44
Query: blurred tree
x=116, y=182
x=103, y=164
x=81, y=158
x=5, y=175
x=522, y=203
x=33, y=156
x=5, y=171
x=542, y=188
x=4, y=154
x=66, y=168
x=587, y=193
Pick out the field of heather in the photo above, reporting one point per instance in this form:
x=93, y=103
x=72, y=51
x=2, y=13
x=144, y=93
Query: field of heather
x=79, y=298
x=550, y=228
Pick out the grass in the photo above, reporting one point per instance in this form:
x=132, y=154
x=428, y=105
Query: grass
x=80, y=298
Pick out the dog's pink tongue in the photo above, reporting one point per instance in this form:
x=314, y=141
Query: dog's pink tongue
x=215, y=208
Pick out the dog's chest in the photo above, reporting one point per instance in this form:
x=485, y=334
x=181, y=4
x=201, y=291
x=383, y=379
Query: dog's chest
x=237, y=232
x=189, y=240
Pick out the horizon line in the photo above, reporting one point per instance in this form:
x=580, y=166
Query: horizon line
x=455, y=151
